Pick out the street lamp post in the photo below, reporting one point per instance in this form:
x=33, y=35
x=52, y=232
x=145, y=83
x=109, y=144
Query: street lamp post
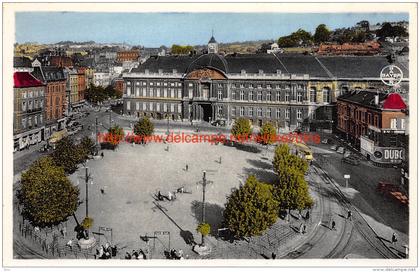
x=204, y=183
x=87, y=192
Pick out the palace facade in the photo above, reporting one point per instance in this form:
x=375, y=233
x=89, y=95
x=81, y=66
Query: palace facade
x=293, y=91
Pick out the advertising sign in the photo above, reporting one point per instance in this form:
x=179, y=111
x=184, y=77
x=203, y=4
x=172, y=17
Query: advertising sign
x=392, y=155
x=391, y=75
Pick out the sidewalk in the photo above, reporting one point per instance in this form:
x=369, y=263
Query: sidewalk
x=282, y=238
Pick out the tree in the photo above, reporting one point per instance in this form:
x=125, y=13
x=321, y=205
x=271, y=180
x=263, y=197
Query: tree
x=322, y=34
x=46, y=194
x=115, y=135
x=302, y=37
x=291, y=190
x=181, y=50
x=267, y=134
x=241, y=129
x=204, y=230
x=297, y=38
x=387, y=30
x=287, y=41
x=251, y=209
x=95, y=94
x=144, y=127
x=86, y=147
x=283, y=160
x=67, y=155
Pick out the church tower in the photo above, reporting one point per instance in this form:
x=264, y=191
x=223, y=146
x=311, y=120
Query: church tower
x=212, y=46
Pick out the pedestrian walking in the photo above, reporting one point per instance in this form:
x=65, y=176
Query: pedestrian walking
x=102, y=191
x=333, y=225
x=102, y=155
x=170, y=196
x=186, y=167
x=394, y=238
x=349, y=214
x=220, y=159
x=273, y=255
x=307, y=215
x=304, y=229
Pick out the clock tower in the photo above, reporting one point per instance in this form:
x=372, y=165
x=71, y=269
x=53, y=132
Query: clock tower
x=212, y=46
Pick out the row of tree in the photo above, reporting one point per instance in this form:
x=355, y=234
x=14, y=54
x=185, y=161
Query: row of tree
x=181, y=49
x=46, y=195
x=96, y=94
x=254, y=207
x=305, y=38
x=342, y=35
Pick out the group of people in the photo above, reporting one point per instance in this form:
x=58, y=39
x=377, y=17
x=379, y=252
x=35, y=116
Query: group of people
x=176, y=254
x=171, y=196
x=137, y=255
x=106, y=252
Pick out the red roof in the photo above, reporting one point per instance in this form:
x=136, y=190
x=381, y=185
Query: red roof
x=25, y=79
x=394, y=102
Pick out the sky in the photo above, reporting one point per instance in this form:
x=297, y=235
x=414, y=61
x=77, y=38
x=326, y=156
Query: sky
x=156, y=29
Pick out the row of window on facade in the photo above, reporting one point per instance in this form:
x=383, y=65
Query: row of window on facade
x=56, y=88
x=243, y=112
x=243, y=96
x=155, y=83
x=267, y=86
x=32, y=120
x=154, y=106
x=32, y=93
x=171, y=92
x=288, y=96
x=32, y=105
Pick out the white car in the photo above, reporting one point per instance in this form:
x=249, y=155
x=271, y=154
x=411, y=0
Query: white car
x=334, y=147
x=340, y=150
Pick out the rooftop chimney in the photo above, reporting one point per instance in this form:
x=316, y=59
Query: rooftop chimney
x=376, y=99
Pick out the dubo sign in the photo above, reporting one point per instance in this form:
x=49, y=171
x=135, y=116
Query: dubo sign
x=391, y=75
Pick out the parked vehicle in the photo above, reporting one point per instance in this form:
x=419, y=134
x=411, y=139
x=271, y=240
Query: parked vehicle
x=340, y=150
x=326, y=141
x=334, y=147
x=348, y=153
x=351, y=160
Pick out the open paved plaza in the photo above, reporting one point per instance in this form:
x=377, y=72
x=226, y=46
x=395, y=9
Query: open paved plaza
x=131, y=176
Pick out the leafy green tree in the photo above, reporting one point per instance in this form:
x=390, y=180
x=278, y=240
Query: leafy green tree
x=302, y=37
x=181, y=50
x=267, y=134
x=322, y=34
x=291, y=190
x=204, y=230
x=287, y=41
x=297, y=38
x=95, y=94
x=387, y=30
x=241, y=129
x=115, y=135
x=251, y=209
x=283, y=160
x=46, y=194
x=144, y=127
x=67, y=155
x=86, y=147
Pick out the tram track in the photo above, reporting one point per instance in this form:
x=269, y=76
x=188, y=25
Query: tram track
x=359, y=223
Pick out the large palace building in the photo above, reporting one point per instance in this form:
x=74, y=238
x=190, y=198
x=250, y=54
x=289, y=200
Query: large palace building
x=290, y=90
